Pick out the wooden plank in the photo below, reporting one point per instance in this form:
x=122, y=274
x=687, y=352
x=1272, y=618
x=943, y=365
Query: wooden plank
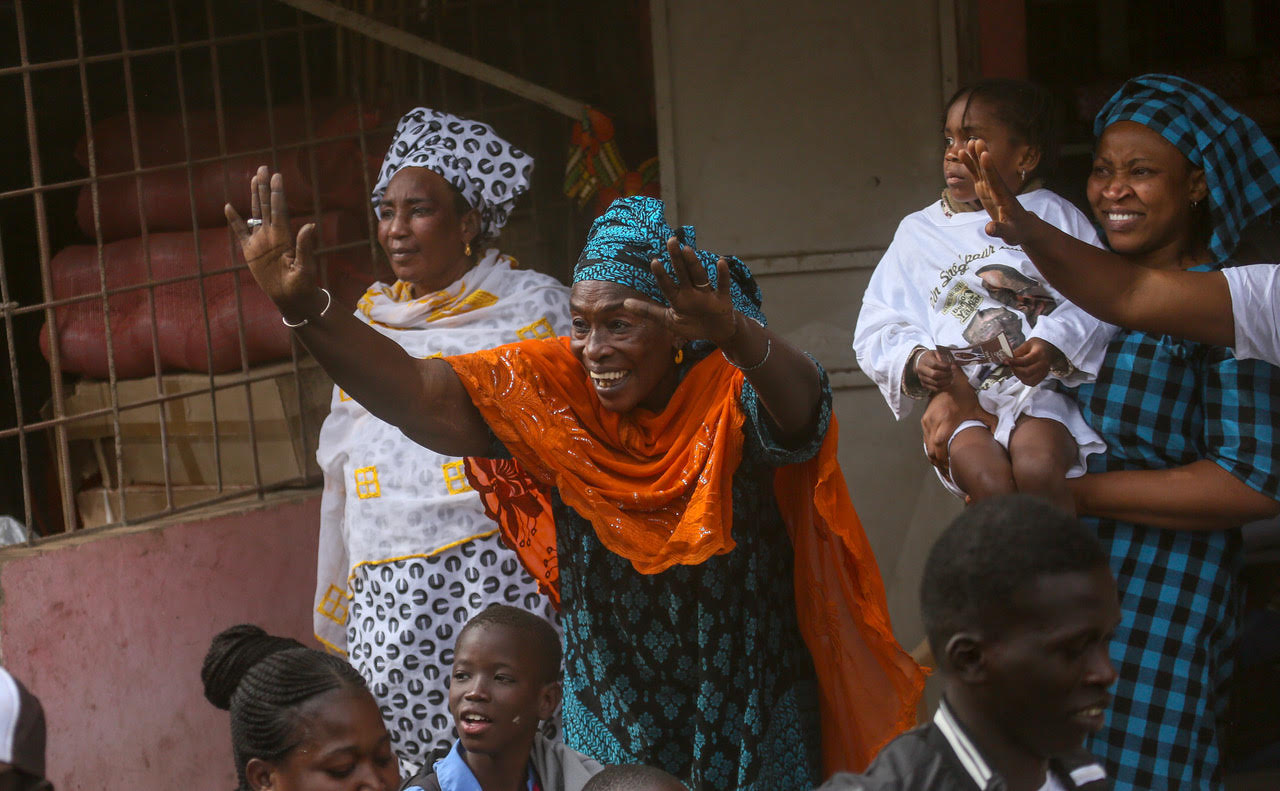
x=429, y=50
x=664, y=106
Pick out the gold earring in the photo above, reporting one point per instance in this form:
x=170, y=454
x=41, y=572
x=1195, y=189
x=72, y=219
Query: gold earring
x=467, y=251
x=679, y=356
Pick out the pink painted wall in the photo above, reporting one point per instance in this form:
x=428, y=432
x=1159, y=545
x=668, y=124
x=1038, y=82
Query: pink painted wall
x=110, y=633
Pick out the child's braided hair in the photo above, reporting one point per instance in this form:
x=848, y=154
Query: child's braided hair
x=1028, y=110
x=263, y=680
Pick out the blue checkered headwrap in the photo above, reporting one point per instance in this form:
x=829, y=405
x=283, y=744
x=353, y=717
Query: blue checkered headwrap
x=1240, y=165
x=634, y=231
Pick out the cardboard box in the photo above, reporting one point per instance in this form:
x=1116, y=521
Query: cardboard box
x=266, y=418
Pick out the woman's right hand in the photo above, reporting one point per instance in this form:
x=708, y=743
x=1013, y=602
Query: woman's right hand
x=947, y=409
x=285, y=272
x=1009, y=221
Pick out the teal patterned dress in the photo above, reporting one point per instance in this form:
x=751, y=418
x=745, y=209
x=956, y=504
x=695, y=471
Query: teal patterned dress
x=699, y=670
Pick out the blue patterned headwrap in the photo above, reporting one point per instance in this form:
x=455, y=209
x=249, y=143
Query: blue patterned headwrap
x=1240, y=165
x=634, y=231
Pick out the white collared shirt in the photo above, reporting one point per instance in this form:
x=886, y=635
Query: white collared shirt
x=973, y=762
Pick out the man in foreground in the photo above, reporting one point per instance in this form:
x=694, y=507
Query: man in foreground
x=1019, y=606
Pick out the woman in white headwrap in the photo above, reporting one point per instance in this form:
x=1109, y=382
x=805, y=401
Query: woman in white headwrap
x=407, y=555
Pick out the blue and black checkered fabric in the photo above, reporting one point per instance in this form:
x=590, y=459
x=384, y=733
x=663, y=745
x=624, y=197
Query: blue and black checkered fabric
x=1240, y=165
x=632, y=232
x=1162, y=402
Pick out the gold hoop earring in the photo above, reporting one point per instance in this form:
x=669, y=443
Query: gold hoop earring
x=679, y=356
x=467, y=251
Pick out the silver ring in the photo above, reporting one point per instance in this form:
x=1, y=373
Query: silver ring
x=700, y=285
x=253, y=222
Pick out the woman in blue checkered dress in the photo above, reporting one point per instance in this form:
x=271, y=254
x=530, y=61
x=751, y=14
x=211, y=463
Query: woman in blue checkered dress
x=1190, y=430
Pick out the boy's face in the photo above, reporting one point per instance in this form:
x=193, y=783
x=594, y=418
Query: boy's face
x=498, y=690
x=1048, y=670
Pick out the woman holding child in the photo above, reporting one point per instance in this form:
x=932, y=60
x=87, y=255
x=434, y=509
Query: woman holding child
x=668, y=473
x=1190, y=430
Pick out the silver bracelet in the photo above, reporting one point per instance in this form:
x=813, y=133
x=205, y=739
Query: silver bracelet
x=768, y=347
x=328, y=303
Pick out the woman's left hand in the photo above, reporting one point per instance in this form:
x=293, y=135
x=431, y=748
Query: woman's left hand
x=697, y=309
x=946, y=410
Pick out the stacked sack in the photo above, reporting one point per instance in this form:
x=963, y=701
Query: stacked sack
x=209, y=279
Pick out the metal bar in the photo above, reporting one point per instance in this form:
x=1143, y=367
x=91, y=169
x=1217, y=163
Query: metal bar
x=20, y=430
x=467, y=66
x=136, y=150
x=161, y=399
x=15, y=309
x=369, y=221
x=275, y=166
x=46, y=280
x=96, y=207
x=195, y=236
x=220, y=123
x=126, y=52
x=142, y=171
x=294, y=345
x=300, y=483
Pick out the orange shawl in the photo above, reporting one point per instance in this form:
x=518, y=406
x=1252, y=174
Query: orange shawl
x=657, y=488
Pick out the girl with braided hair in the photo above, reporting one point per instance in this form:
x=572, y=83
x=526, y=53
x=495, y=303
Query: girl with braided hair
x=300, y=719
x=945, y=288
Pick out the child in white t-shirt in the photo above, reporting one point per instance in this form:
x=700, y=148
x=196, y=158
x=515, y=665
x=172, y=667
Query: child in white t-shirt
x=949, y=306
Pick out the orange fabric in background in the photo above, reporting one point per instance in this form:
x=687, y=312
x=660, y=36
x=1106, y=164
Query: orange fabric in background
x=658, y=489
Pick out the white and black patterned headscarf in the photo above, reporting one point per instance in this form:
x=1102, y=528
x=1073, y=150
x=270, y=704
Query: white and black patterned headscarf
x=488, y=171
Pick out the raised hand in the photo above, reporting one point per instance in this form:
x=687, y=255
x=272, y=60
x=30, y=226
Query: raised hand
x=1009, y=221
x=285, y=271
x=697, y=309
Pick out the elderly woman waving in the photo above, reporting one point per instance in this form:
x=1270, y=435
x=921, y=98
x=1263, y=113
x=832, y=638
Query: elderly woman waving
x=668, y=472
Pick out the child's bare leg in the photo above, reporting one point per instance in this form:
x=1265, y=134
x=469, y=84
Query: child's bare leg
x=979, y=465
x=1042, y=451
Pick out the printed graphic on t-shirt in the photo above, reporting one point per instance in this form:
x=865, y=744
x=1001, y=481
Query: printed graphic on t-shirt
x=1010, y=287
x=992, y=333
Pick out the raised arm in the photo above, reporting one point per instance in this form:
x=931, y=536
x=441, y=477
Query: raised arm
x=1192, y=305
x=784, y=377
x=423, y=398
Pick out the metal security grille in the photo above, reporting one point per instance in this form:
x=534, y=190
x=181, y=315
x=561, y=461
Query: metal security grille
x=145, y=378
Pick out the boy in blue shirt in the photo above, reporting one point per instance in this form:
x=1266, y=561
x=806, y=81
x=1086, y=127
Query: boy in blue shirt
x=505, y=680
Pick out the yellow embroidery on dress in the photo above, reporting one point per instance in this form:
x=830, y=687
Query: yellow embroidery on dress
x=367, y=483
x=435, y=356
x=342, y=395
x=539, y=329
x=333, y=605
x=473, y=301
x=328, y=646
x=455, y=478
